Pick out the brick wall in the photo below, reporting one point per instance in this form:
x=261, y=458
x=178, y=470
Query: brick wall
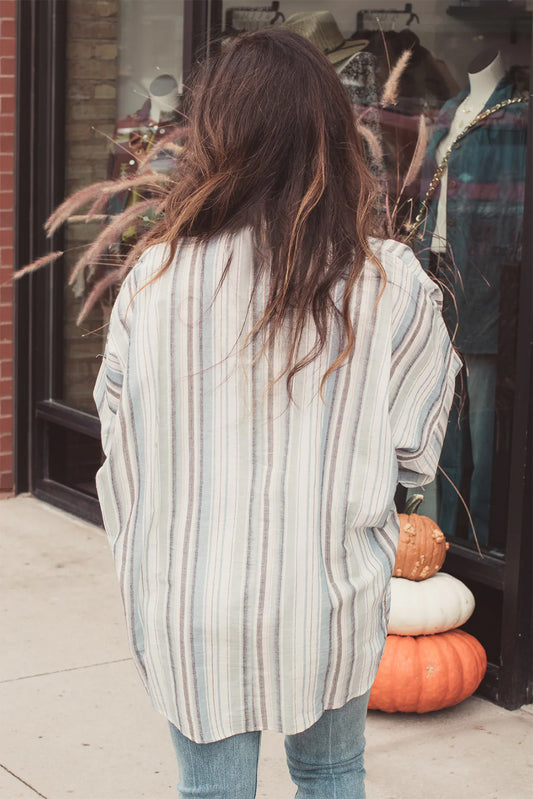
x=92, y=71
x=7, y=127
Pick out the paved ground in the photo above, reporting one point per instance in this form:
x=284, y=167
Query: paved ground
x=77, y=724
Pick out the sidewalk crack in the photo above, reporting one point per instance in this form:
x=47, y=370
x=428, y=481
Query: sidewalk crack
x=27, y=784
x=63, y=671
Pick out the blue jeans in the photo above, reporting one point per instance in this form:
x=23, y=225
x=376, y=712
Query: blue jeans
x=325, y=761
x=479, y=426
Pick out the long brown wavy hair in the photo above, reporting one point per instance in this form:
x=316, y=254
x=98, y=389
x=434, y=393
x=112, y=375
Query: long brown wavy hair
x=272, y=144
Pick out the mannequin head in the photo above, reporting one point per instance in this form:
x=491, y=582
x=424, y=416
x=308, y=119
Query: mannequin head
x=483, y=59
x=163, y=91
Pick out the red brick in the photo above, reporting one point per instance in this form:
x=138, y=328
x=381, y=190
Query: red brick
x=6, y=403
x=6, y=142
x=7, y=123
x=6, y=237
x=5, y=461
x=6, y=476
x=8, y=29
x=6, y=292
x=7, y=84
x=6, y=200
x=6, y=219
x=7, y=71
x=6, y=330
x=6, y=182
x=7, y=47
x=6, y=259
x=6, y=425
x=7, y=9
x=6, y=369
x=7, y=105
x=6, y=163
x=6, y=484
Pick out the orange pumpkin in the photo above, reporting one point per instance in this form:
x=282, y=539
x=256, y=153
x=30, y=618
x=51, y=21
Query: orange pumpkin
x=421, y=673
x=421, y=545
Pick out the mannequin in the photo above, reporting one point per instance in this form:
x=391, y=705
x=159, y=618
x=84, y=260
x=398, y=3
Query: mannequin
x=163, y=91
x=138, y=133
x=484, y=74
x=470, y=237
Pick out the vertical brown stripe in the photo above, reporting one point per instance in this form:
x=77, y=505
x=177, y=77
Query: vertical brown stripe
x=263, y=566
x=247, y=665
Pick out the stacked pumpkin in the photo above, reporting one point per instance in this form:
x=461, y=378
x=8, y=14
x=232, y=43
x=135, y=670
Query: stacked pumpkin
x=427, y=664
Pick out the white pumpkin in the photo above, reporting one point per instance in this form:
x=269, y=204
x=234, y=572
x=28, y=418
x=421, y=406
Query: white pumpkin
x=435, y=605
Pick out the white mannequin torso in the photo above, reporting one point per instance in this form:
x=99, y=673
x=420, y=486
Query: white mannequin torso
x=482, y=85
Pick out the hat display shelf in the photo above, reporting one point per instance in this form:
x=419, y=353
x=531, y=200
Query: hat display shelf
x=428, y=663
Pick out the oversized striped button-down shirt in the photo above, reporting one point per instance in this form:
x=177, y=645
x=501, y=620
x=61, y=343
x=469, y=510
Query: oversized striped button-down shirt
x=254, y=538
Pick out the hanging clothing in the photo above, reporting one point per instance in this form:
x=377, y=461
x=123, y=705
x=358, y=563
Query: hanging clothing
x=358, y=75
x=254, y=539
x=484, y=215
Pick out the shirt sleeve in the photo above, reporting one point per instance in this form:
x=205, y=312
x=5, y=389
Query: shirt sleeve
x=424, y=366
x=108, y=387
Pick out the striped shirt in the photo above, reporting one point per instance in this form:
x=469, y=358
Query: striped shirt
x=254, y=538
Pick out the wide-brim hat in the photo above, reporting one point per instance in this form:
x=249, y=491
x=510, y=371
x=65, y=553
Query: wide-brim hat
x=321, y=29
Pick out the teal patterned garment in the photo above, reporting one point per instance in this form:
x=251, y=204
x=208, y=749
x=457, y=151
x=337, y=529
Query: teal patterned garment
x=254, y=538
x=484, y=216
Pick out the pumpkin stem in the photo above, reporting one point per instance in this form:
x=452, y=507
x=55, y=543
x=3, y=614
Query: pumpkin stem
x=413, y=503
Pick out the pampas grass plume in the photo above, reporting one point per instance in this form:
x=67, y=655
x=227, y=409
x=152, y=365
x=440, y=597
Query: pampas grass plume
x=372, y=141
x=392, y=85
x=418, y=155
x=46, y=259
x=97, y=192
x=109, y=235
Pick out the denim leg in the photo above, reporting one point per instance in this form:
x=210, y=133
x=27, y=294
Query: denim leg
x=326, y=760
x=451, y=462
x=481, y=393
x=225, y=769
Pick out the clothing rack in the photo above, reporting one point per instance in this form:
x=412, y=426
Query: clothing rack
x=385, y=18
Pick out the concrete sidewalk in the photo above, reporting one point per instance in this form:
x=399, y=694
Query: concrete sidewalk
x=76, y=723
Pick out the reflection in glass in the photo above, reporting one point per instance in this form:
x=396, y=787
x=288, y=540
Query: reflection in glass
x=124, y=79
x=439, y=94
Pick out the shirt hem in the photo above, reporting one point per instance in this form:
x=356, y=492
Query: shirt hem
x=303, y=723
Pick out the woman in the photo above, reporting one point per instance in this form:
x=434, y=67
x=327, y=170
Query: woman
x=271, y=372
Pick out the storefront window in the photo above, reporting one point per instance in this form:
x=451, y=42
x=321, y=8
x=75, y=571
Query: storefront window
x=439, y=92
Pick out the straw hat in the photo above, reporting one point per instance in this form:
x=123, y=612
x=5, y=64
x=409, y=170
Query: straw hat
x=321, y=29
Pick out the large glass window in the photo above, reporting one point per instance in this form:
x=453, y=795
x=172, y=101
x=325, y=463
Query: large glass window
x=440, y=93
